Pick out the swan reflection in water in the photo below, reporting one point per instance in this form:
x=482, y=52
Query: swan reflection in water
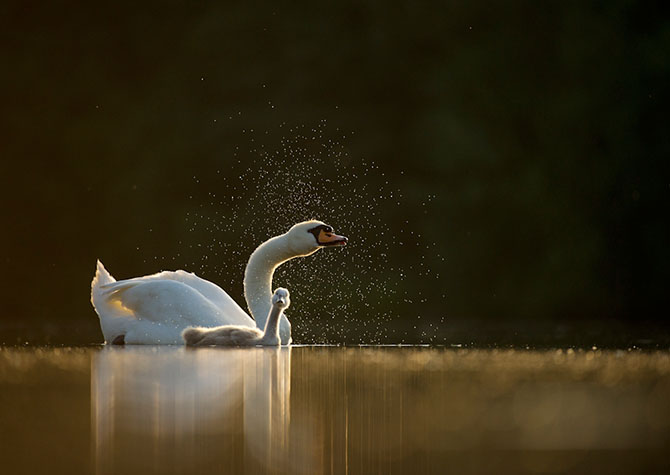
x=178, y=410
x=378, y=410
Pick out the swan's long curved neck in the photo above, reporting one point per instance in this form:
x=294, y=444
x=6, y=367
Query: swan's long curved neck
x=258, y=276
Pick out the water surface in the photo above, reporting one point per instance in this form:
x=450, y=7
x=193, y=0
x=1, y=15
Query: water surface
x=332, y=410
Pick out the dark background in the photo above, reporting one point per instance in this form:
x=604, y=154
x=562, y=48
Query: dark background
x=501, y=168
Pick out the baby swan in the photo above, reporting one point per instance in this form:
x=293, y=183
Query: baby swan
x=237, y=335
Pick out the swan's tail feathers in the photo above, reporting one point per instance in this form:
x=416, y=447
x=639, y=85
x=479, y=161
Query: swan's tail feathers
x=192, y=336
x=113, y=317
x=102, y=277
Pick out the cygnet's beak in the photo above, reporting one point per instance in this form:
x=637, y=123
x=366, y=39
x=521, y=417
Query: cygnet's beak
x=281, y=301
x=331, y=239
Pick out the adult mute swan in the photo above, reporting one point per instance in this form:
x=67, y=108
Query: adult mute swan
x=155, y=309
x=236, y=335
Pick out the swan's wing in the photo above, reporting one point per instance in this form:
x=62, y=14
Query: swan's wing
x=210, y=291
x=171, y=302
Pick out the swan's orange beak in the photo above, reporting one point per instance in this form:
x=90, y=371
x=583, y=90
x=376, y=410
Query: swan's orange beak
x=331, y=239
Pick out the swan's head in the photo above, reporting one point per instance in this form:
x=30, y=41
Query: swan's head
x=310, y=236
x=281, y=298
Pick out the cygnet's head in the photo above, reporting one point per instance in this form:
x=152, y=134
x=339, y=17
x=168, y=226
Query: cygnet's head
x=281, y=298
x=310, y=236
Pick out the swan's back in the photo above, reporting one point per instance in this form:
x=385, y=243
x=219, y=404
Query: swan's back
x=210, y=291
x=165, y=286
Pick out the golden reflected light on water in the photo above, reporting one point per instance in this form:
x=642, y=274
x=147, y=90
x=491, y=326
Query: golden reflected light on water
x=333, y=410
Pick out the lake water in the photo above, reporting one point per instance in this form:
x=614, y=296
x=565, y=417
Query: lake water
x=312, y=410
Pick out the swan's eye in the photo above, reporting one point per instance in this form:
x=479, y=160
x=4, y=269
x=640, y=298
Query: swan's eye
x=328, y=229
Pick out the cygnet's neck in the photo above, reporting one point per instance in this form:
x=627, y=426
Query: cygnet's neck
x=271, y=334
x=258, y=276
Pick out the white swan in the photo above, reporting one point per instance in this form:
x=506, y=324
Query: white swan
x=236, y=335
x=155, y=309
